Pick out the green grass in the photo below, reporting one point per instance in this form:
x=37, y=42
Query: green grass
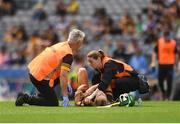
x=149, y=112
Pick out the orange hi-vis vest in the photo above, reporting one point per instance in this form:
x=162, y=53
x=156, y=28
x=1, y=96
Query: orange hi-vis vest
x=166, y=50
x=49, y=62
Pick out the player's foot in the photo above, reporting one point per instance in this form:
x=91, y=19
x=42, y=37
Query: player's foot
x=21, y=99
x=143, y=84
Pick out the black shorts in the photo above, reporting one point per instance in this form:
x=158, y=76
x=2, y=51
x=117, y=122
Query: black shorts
x=46, y=95
x=125, y=85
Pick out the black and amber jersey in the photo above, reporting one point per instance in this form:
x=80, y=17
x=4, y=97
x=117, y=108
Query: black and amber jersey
x=111, y=70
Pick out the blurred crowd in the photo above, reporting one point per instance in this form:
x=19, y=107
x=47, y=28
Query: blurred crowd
x=7, y=7
x=130, y=38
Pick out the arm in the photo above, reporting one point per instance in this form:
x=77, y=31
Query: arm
x=96, y=77
x=89, y=100
x=63, y=82
x=89, y=95
x=93, y=93
x=110, y=69
x=90, y=90
x=176, y=56
x=82, y=87
x=65, y=68
x=177, y=59
x=154, y=56
x=153, y=60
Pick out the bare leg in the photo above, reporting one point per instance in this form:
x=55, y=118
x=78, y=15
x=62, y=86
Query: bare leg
x=82, y=77
x=82, y=81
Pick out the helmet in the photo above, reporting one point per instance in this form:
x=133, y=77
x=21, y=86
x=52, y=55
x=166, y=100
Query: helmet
x=131, y=100
x=126, y=100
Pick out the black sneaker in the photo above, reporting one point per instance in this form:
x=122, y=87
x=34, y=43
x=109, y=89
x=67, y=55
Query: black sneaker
x=21, y=99
x=143, y=84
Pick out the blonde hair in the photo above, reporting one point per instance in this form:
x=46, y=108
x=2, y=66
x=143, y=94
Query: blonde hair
x=76, y=36
x=95, y=54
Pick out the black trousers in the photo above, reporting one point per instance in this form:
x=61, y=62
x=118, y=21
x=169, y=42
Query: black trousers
x=165, y=73
x=125, y=85
x=46, y=96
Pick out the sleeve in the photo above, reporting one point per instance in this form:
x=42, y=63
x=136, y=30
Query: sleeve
x=110, y=69
x=96, y=77
x=66, y=62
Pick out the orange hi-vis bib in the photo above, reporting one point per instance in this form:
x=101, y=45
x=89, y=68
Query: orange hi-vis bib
x=118, y=74
x=49, y=61
x=166, y=51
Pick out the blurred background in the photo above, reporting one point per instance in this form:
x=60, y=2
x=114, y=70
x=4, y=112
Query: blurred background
x=124, y=29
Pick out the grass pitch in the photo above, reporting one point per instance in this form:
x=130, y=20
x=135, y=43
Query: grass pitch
x=149, y=112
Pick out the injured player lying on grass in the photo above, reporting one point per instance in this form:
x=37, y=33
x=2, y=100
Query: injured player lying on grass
x=86, y=95
x=90, y=95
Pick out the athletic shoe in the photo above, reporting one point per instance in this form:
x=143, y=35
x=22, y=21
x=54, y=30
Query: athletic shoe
x=143, y=84
x=21, y=99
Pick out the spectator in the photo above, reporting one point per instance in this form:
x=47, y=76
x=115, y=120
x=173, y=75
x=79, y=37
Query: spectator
x=34, y=46
x=18, y=57
x=120, y=52
x=39, y=13
x=108, y=45
x=139, y=23
x=62, y=27
x=15, y=33
x=7, y=7
x=132, y=46
x=51, y=35
x=73, y=7
x=101, y=23
x=73, y=24
x=139, y=62
x=21, y=34
x=127, y=24
x=61, y=8
x=10, y=34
